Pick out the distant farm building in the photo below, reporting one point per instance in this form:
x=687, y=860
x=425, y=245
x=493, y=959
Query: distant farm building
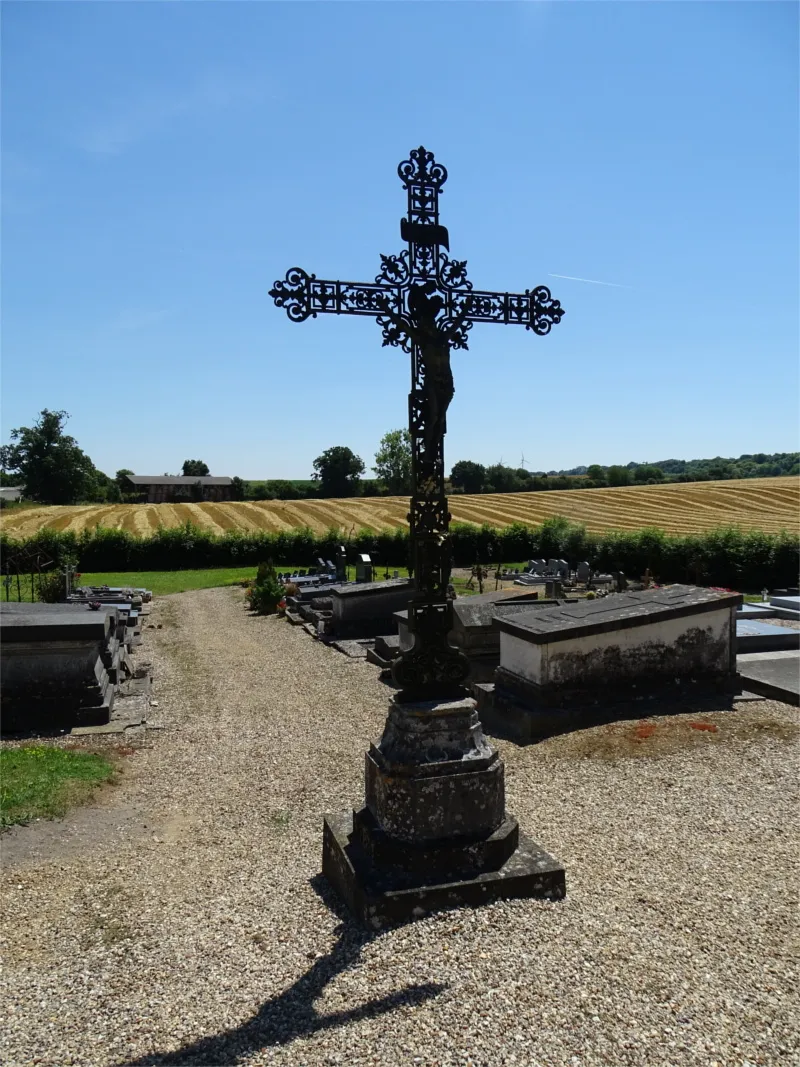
x=11, y=492
x=167, y=489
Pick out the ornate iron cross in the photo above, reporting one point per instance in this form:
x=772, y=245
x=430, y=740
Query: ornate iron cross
x=426, y=305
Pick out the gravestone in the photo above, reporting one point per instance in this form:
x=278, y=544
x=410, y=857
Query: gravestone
x=560, y=664
x=341, y=564
x=536, y=566
x=563, y=570
x=583, y=573
x=364, y=567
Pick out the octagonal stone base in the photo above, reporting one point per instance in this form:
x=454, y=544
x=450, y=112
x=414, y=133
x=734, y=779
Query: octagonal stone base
x=379, y=894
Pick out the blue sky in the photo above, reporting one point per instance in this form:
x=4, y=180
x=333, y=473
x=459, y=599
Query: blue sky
x=164, y=163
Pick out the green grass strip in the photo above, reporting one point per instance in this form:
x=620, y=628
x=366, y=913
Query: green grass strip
x=39, y=782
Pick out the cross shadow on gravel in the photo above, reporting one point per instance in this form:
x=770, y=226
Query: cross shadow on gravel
x=292, y=1014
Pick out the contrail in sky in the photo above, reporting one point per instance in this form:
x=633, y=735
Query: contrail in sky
x=591, y=281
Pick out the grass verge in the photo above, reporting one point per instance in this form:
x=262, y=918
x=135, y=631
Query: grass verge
x=39, y=782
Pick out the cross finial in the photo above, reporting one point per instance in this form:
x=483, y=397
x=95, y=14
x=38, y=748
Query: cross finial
x=422, y=168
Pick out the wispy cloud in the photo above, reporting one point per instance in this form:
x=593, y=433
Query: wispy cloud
x=155, y=110
x=138, y=319
x=589, y=281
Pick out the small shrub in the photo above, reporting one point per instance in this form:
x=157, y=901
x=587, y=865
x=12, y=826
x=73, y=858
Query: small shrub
x=52, y=587
x=266, y=592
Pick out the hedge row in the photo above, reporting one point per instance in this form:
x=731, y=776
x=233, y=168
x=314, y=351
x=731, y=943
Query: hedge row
x=746, y=560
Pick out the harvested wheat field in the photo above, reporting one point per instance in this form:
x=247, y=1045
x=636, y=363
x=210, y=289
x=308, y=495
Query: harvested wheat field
x=769, y=504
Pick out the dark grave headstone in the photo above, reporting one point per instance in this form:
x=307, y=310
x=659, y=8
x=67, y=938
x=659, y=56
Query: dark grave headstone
x=341, y=564
x=583, y=572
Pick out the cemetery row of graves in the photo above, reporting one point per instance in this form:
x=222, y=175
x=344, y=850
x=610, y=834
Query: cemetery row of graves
x=72, y=664
x=552, y=640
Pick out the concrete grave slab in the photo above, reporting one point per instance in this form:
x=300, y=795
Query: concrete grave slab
x=752, y=636
x=774, y=675
x=755, y=611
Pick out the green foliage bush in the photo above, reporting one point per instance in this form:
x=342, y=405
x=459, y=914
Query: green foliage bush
x=266, y=591
x=52, y=587
x=746, y=560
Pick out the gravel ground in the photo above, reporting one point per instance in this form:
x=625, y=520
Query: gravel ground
x=196, y=930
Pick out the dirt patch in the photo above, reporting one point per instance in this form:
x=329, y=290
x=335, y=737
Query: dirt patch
x=70, y=838
x=669, y=734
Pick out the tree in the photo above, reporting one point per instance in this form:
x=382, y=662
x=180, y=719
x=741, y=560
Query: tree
x=121, y=478
x=618, y=476
x=338, y=471
x=49, y=463
x=393, y=461
x=502, y=479
x=237, y=489
x=195, y=468
x=467, y=476
x=648, y=473
x=596, y=474
x=283, y=489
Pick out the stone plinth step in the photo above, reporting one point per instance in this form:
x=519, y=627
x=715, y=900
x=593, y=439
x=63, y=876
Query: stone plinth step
x=377, y=898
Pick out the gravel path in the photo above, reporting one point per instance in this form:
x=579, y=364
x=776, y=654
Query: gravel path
x=200, y=933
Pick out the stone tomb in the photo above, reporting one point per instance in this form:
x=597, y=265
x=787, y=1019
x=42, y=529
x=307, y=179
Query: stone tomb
x=561, y=664
x=473, y=630
x=56, y=666
x=366, y=609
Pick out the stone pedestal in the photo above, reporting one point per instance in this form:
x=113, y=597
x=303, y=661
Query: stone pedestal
x=433, y=832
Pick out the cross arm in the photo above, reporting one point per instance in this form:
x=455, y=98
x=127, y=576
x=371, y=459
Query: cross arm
x=303, y=295
x=534, y=309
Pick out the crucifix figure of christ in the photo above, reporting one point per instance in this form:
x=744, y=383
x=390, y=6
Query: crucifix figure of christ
x=425, y=305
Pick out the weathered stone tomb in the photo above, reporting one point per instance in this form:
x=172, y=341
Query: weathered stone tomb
x=366, y=609
x=559, y=664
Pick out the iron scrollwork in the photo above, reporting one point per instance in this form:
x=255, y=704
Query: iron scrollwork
x=425, y=305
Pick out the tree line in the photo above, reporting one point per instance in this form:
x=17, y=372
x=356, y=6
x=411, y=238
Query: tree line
x=53, y=469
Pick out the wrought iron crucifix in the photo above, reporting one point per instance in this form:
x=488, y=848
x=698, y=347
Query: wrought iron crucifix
x=425, y=305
